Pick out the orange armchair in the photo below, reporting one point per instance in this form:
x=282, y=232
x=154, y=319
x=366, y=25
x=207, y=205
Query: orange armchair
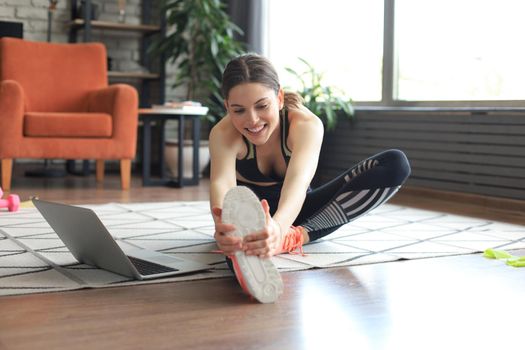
x=55, y=102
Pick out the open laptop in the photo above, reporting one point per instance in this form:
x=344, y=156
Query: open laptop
x=90, y=242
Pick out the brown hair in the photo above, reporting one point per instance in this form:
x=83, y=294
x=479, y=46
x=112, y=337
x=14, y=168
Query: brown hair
x=253, y=68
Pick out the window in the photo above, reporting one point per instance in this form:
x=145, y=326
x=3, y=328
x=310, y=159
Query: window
x=342, y=39
x=446, y=50
x=460, y=50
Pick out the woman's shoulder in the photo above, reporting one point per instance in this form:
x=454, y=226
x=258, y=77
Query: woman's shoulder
x=304, y=125
x=223, y=127
x=224, y=132
x=302, y=115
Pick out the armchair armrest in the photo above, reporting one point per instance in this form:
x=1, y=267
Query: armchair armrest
x=121, y=102
x=12, y=108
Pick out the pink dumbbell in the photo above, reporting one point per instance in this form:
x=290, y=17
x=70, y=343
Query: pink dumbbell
x=11, y=203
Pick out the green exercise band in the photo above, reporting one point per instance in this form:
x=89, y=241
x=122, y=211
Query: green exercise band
x=511, y=260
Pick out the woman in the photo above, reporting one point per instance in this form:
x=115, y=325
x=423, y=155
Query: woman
x=269, y=142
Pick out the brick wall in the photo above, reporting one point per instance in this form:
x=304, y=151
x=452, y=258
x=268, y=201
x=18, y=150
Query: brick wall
x=123, y=47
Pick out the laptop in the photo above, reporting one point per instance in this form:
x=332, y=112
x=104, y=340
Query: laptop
x=90, y=242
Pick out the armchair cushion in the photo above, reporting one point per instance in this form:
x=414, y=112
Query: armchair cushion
x=67, y=124
x=121, y=101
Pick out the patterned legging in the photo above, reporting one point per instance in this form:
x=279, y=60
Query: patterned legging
x=347, y=197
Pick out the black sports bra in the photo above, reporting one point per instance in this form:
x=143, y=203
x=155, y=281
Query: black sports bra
x=247, y=167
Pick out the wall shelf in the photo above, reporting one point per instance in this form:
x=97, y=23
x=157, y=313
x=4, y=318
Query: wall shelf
x=80, y=23
x=151, y=80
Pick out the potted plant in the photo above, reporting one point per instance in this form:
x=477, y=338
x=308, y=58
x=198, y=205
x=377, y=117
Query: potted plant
x=327, y=102
x=200, y=42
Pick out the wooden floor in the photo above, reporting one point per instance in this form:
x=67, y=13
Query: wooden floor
x=462, y=302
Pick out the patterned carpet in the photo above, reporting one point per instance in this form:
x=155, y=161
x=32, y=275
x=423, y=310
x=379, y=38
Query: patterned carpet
x=34, y=260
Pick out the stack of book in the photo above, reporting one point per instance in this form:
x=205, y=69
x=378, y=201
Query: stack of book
x=186, y=106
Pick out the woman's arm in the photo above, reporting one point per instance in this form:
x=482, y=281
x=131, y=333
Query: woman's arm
x=304, y=139
x=223, y=152
x=224, y=146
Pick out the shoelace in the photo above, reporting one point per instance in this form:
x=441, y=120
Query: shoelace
x=293, y=241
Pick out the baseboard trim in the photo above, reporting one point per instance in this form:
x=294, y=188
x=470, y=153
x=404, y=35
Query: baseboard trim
x=488, y=202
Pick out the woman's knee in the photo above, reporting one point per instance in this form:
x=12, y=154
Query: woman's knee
x=397, y=164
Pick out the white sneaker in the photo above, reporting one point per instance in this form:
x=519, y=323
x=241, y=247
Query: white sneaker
x=257, y=276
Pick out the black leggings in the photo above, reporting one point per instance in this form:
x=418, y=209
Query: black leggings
x=347, y=197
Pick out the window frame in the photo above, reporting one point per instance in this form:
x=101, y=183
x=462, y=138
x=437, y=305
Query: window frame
x=389, y=75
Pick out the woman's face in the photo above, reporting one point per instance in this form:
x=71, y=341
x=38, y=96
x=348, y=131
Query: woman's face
x=254, y=111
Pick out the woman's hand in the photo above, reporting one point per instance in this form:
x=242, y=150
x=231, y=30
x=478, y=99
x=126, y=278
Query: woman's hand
x=226, y=242
x=267, y=242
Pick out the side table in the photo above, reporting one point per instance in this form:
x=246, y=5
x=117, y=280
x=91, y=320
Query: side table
x=148, y=116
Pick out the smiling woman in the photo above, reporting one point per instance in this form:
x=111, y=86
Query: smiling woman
x=269, y=142
x=258, y=119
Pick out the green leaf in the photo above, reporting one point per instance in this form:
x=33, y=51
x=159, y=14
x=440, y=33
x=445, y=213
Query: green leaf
x=323, y=100
x=201, y=42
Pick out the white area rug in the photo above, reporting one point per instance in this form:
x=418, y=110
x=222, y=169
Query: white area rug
x=34, y=260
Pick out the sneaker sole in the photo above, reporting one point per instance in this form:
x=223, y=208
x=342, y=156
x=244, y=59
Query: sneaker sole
x=243, y=209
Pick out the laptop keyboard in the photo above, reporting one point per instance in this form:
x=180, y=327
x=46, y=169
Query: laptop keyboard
x=148, y=268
